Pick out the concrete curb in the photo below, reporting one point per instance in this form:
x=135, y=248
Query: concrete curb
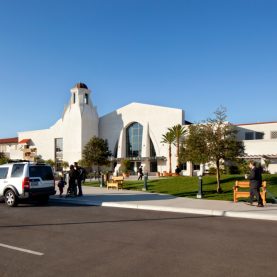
x=206, y=212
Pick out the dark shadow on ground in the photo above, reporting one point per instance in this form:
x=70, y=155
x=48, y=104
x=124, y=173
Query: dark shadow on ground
x=34, y=205
x=186, y=194
x=118, y=197
x=105, y=221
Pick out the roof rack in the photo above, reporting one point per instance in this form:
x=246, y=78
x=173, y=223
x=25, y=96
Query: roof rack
x=18, y=161
x=25, y=161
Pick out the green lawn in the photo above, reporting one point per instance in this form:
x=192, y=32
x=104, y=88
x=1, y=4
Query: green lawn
x=188, y=186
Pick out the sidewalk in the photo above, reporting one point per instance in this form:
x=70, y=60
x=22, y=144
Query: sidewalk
x=167, y=203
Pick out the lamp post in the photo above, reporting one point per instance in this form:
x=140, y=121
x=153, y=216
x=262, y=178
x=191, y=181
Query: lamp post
x=200, y=183
x=145, y=178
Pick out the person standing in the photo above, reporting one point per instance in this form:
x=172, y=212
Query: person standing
x=177, y=170
x=72, y=190
x=79, y=178
x=255, y=178
x=61, y=185
x=140, y=173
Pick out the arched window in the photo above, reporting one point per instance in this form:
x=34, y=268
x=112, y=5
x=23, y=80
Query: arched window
x=86, y=98
x=74, y=98
x=134, y=140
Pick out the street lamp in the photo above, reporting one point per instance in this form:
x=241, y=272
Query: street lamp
x=145, y=178
x=200, y=182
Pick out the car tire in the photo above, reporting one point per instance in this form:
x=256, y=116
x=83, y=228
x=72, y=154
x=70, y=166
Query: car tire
x=11, y=198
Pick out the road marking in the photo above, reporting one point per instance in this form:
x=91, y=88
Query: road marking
x=21, y=249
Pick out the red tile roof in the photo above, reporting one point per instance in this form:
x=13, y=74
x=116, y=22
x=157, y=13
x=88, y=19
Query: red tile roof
x=8, y=140
x=24, y=141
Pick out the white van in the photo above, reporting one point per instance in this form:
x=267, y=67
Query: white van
x=24, y=181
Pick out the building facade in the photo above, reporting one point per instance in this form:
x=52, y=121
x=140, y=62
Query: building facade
x=133, y=132
x=260, y=142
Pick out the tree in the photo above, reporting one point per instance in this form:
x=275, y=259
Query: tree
x=3, y=158
x=65, y=164
x=39, y=159
x=50, y=162
x=178, y=133
x=96, y=152
x=213, y=141
x=169, y=139
x=194, y=147
x=125, y=166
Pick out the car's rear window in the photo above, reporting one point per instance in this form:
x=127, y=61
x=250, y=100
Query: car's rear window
x=44, y=172
x=17, y=170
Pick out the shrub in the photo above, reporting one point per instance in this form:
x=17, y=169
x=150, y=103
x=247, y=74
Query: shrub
x=125, y=166
x=212, y=170
x=232, y=169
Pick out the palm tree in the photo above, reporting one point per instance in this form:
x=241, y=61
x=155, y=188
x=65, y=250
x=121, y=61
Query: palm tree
x=169, y=139
x=178, y=132
x=65, y=164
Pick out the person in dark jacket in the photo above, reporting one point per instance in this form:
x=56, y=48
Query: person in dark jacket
x=72, y=186
x=255, y=178
x=61, y=185
x=80, y=172
x=177, y=170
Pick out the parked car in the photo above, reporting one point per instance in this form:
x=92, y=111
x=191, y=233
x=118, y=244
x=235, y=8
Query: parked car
x=21, y=181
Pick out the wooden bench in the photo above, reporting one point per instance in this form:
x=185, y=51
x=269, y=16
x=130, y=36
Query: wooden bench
x=246, y=184
x=115, y=182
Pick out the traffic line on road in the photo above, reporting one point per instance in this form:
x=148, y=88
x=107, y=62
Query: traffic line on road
x=21, y=249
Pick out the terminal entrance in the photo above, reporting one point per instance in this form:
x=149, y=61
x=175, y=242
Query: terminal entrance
x=134, y=167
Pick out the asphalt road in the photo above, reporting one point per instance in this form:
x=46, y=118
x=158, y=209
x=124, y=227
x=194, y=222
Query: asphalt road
x=96, y=241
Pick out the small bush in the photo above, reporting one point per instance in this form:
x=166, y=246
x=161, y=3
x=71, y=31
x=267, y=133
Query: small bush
x=212, y=170
x=232, y=169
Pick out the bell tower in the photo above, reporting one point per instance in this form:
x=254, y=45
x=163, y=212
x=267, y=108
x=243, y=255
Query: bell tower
x=80, y=121
x=80, y=95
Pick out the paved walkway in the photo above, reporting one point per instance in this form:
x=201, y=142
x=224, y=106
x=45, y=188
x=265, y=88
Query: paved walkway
x=168, y=203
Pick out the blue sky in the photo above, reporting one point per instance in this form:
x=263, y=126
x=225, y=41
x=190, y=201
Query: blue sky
x=190, y=54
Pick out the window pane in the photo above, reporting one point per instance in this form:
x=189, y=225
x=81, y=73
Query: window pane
x=249, y=135
x=86, y=99
x=58, y=153
x=184, y=166
x=3, y=172
x=44, y=172
x=259, y=135
x=17, y=170
x=134, y=140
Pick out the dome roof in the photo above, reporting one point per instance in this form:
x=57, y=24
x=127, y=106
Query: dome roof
x=81, y=85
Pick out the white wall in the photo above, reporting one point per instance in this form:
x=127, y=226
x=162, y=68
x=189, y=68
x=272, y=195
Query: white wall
x=155, y=121
x=42, y=140
x=78, y=124
x=260, y=147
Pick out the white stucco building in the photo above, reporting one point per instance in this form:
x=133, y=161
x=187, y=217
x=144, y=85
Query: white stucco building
x=260, y=142
x=67, y=137
x=133, y=132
